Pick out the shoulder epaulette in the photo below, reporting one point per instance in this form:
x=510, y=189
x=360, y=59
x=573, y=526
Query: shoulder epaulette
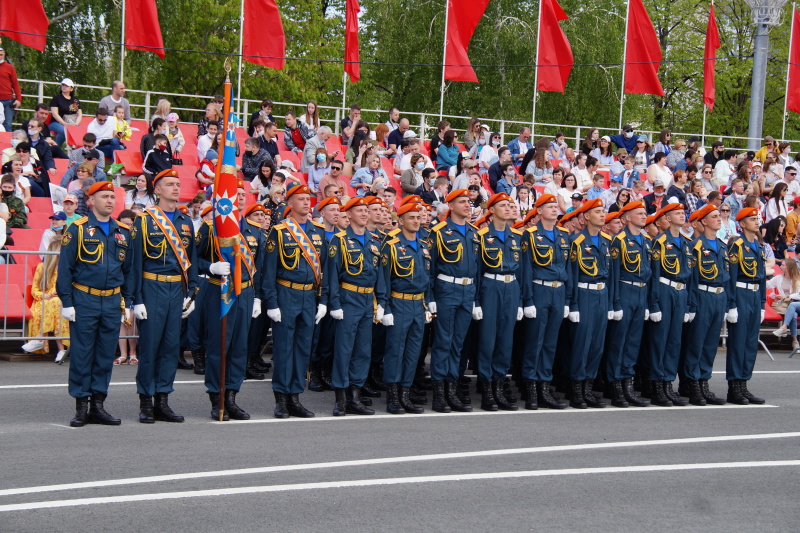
x=483, y=231
x=279, y=227
x=646, y=236
x=516, y=231
x=473, y=226
x=737, y=242
x=531, y=229
x=208, y=223
x=81, y=220
x=698, y=244
x=256, y=224
x=661, y=238
x=123, y=225
x=606, y=235
x=393, y=241
x=579, y=238
x=562, y=228
x=439, y=226
x=317, y=224
x=619, y=236
x=393, y=232
x=342, y=233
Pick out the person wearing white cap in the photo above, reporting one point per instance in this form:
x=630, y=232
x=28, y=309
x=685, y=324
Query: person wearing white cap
x=603, y=153
x=65, y=109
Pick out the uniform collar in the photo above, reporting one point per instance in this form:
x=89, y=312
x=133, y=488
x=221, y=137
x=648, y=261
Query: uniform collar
x=94, y=223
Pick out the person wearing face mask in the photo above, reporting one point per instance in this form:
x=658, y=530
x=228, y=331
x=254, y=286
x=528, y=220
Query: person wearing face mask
x=18, y=136
x=609, y=196
x=58, y=222
x=14, y=214
x=159, y=126
x=626, y=139
x=143, y=193
x=426, y=189
x=496, y=170
x=159, y=158
x=506, y=183
x=204, y=142
x=488, y=153
x=655, y=200
x=412, y=179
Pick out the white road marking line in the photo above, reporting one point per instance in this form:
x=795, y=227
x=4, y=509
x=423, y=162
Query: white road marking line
x=391, y=481
x=764, y=372
x=52, y=385
x=393, y=460
x=63, y=426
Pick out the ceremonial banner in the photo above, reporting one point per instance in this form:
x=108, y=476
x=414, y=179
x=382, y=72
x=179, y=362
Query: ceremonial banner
x=352, y=58
x=642, y=53
x=555, y=53
x=18, y=18
x=462, y=19
x=142, y=29
x=264, y=42
x=793, y=87
x=710, y=56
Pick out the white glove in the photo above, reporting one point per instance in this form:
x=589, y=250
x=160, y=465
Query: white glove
x=530, y=311
x=610, y=315
x=646, y=315
x=220, y=268
x=256, y=307
x=762, y=315
x=337, y=314
x=655, y=317
x=68, y=313
x=378, y=314
x=688, y=317
x=388, y=320
x=732, y=316
x=618, y=315
x=566, y=311
x=477, y=312
x=432, y=308
x=187, y=301
x=428, y=317
x=274, y=314
x=520, y=313
x=126, y=317
x=321, y=310
x=574, y=316
x=140, y=312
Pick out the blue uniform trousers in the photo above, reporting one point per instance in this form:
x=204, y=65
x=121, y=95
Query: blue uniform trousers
x=703, y=335
x=195, y=337
x=159, y=336
x=453, y=315
x=239, y=317
x=378, y=343
x=539, y=351
x=255, y=334
x=353, y=340
x=625, y=336
x=326, y=339
x=589, y=335
x=743, y=336
x=403, y=341
x=499, y=303
x=292, y=338
x=93, y=341
x=665, y=336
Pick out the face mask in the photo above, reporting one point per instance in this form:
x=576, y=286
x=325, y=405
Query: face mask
x=7, y=194
x=321, y=157
x=211, y=135
x=628, y=134
x=496, y=143
x=163, y=147
x=32, y=132
x=56, y=228
x=614, y=187
x=420, y=166
x=660, y=194
x=511, y=173
x=431, y=181
x=15, y=142
x=481, y=141
x=141, y=188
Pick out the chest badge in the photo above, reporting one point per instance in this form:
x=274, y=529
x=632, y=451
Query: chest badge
x=91, y=231
x=374, y=249
x=588, y=249
x=669, y=247
x=490, y=240
x=539, y=238
x=448, y=232
x=706, y=252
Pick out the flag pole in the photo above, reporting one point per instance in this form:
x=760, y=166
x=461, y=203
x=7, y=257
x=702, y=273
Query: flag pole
x=788, y=66
x=536, y=71
x=241, y=49
x=122, y=45
x=703, y=137
x=624, y=58
x=444, y=59
x=344, y=91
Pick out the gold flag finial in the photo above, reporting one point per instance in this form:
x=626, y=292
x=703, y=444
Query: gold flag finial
x=227, y=68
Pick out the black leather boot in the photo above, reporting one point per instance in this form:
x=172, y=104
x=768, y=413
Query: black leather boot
x=500, y=396
x=531, y=395
x=407, y=404
x=672, y=395
x=589, y=397
x=462, y=390
x=281, y=407
x=684, y=387
x=183, y=364
x=576, y=399
x=162, y=411
x=146, y=409
x=508, y=393
x=439, y=402
x=199, y=357
x=98, y=414
x=354, y=405
x=659, y=398
x=393, y=399
x=546, y=399
x=618, y=395
x=647, y=388
x=708, y=396
x=214, y=397
x=252, y=373
x=325, y=377
x=261, y=366
x=417, y=395
x=369, y=392
x=315, y=377
x=451, y=395
x=488, y=402
x=695, y=394
x=296, y=408
x=735, y=393
x=339, y=407
x=81, y=413
x=233, y=410
x=749, y=395
x=630, y=394
x=375, y=378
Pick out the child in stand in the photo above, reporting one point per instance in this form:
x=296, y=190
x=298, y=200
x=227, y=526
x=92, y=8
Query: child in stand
x=126, y=329
x=122, y=128
x=174, y=134
x=205, y=174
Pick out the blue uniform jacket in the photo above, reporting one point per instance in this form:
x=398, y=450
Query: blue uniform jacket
x=670, y=261
x=89, y=257
x=543, y=259
x=710, y=267
x=207, y=252
x=452, y=253
x=630, y=261
x=747, y=266
x=496, y=256
x=589, y=263
x=351, y=262
x=406, y=270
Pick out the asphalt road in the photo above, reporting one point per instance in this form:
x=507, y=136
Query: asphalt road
x=703, y=469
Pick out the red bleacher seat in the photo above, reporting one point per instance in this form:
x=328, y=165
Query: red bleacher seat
x=12, y=299
x=290, y=156
x=62, y=165
x=388, y=166
x=333, y=144
x=19, y=274
x=39, y=220
x=189, y=157
x=555, y=162
x=5, y=137
x=486, y=184
x=119, y=197
x=41, y=205
x=281, y=144
x=131, y=161
x=539, y=189
x=722, y=188
x=26, y=239
x=189, y=189
x=427, y=145
x=75, y=133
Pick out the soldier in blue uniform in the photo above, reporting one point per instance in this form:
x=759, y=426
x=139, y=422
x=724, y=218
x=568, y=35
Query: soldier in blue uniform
x=94, y=267
x=671, y=267
x=630, y=271
x=292, y=283
x=454, y=268
x=354, y=281
x=253, y=232
x=194, y=330
x=746, y=301
x=499, y=300
x=406, y=261
x=591, y=297
x=544, y=274
x=163, y=263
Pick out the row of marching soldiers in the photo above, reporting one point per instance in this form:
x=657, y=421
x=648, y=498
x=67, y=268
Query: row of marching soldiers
x=606, y=303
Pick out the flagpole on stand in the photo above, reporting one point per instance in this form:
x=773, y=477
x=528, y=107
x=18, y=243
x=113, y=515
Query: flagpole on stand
x=444, y=59
x=536, y=71
x=122, y=45
x=788, y=66
x=624, y=58
x=240, y=99
x=344, y=91
x=703, y=137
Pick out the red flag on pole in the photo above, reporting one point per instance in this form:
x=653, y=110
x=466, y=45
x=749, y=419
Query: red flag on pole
x=555, y=53
x=142, y=29
x=18, y=18
x=264, y=42
x=351, y=53
x=793, y=85
x=710, y=56
x=462, y=19
x=642, y=53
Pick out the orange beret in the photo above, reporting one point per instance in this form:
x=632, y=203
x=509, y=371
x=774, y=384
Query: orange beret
x=518, y=224
x=428, y=207
x=746, y=212
x=545, y=199
x=568, y=216
x=286, y=211
x=101, y=186
x=669, y=207
x=630, y=206
x=532, y=213
x=183, y=209
x=373, y=200
x=409, y=208
x=298, y=189
x=483, y=220
x=613, y=216
x=267, y=212
x=330, y=200
x=651, y=219
x=169, y=173
x=358, y=200
x=252, y=209
x=206, y=210
x=239, y=184
x=457, y=193
x=499, y=197
x=589, y=204
x=703, y=212
x=411, y=198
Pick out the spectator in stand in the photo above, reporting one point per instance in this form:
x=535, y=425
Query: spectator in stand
x=525, y=201
x=117, y=97
x=777, y=205
x=159, y=126
x=591, y=142
x=658, y=171
x=349, y=124
x=488, y=155
x=725, y=167
x=626, y=139
x=127, y=347
x=583, y=172
x=475, y=179
x=769, y=146
x=42, y=115
x=520, y=146
x=311, y=116
x=394, y=117
x=70, y=204
x=787, y=287
x=58, y=221
x=496, y=171
x=365, y=149
x=163, y=109
x=65, y=109
x=475, y=201
x=269, y=139
x=610, y=195
x=40, y=144
x=10, y=92
x=657, y=199
x=105, y=131
x=774, y=235
x=206, y=171
x=92, y=157
x=371, y=178
x=17, y=137
x=677, y=155
x=334, y=178
x=143, y=194
x=693, y=197
x=576, y=200
x=792, y=219
x=694, y=145
x=46, y=309
x=174, y=134
x=437, y=139
x=468, y=168
x=557, y=147
x=296, y=133
x=253, y=157
x=506, y=183
x=663, y=144
x=310, y=151
x=728, y=229
x=629, y=174
x=382, y=141
x=707, y=178
x=716, y=154
x=264, y=113
x=790, y=179
x=276, y=203
x=319, y=170
x=121, y=127
x=569, y=186
x=405, y=161
x=82, y=172
x=678, y=190
x=34, y=171
x=212, y=116
x=439, y=193
x=596, y=190
x=447, y=154
x=158, y=159
x=622, y=199
x=204, y=143
x=412, y=178
x=428, y=180
x=473, y=134
x=604, y=154
x=22, y=183
x=14, y=213
x=771, y=173
x=263, y=181
x=643, y=155
x=784, y=154
x=396, y=137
